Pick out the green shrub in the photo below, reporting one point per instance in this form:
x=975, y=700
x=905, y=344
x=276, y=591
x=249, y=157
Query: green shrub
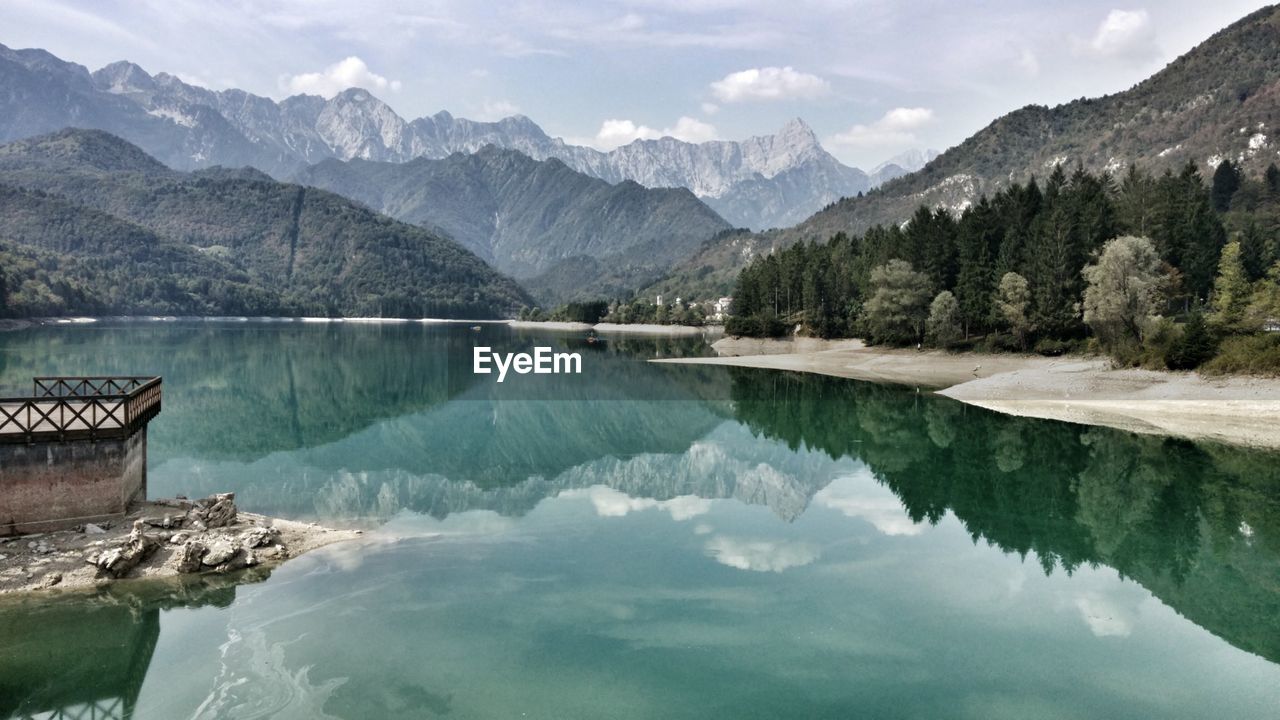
x=1005, y=342
x=1247, y=354
x=1050, y=347
x=755, y=326
x=1193, y=348
x=1158, y=342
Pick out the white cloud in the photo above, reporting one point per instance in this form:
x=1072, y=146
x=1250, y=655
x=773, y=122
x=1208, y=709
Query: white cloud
x=860, y=498
x=761, y=555
x=769, y=83
x=614, y=133
x=496, y=110
x=897, y=127
x=710, y=108
x=350, y=72
x=1124, y=34
x=614, y=503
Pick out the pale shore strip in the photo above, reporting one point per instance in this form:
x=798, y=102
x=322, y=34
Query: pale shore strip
x=618, y=329
x=1235, y=410
x=555, y=326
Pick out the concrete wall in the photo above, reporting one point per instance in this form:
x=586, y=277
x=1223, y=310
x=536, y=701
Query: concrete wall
x=53, y=485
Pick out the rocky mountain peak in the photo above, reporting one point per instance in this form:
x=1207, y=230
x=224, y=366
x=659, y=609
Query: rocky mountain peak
x=797, y=133
x=123, y=77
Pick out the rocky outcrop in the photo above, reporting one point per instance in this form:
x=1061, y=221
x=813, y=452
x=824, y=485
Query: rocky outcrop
x=159, y=539
x=119, y=561
x=213, y=512
x=210, y=540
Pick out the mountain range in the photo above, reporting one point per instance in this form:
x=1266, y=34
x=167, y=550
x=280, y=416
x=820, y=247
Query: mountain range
x=1220, y=100
x=572, y=219
x=761, y=182
x=525, y=216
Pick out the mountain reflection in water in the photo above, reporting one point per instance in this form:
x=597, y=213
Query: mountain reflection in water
x=373, y=425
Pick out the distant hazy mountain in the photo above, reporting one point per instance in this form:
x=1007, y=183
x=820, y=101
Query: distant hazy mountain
x=901, y=164
x=1219, y=100
x=524, y=216
x=768, y=181
x=93, y=224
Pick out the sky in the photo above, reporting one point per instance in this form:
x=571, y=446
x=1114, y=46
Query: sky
x=871, y=77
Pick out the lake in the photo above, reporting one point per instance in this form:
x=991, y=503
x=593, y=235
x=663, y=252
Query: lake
x=645, y=541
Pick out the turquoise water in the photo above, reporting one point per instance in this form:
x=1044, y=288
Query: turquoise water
x=648, y=541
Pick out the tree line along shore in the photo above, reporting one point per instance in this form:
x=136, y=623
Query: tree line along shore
x=1159, y=272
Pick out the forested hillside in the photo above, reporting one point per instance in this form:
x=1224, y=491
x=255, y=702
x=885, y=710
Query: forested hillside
x=1220, y=101
x=112, y=230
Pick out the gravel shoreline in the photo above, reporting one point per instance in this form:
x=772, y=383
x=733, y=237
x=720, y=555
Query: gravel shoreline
x=1087, y=390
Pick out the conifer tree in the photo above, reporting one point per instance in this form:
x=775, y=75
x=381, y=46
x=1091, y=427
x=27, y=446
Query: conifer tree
x=1226, y=181
x=1231, y=291
x=1253, y=251
x=978, y=242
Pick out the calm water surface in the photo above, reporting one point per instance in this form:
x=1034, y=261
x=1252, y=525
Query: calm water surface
x=647, y=541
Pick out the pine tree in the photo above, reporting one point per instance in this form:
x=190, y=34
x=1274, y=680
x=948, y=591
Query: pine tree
x=1231, y=291
x=1054, y=272
x=1226, y=181
x=1194, y=348
x=1136, y=203
x=978, y=242
x=931, y=237
x=1253, y=251
x=1020, y=206
x=1190, y=235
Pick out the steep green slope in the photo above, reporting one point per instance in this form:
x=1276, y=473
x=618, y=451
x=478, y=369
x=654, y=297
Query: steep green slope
x=312, y=251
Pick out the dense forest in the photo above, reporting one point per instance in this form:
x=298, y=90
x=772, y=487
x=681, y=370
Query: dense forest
x=1082, y=258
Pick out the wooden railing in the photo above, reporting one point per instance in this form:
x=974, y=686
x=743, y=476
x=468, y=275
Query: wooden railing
x=71, y=408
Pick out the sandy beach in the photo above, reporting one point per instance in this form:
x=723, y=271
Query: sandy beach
x=1236, y=410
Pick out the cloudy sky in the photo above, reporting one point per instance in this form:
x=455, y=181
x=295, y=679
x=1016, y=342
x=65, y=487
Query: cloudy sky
x=872, y=77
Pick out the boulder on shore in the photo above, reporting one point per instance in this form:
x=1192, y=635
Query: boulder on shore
x=118, y=561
